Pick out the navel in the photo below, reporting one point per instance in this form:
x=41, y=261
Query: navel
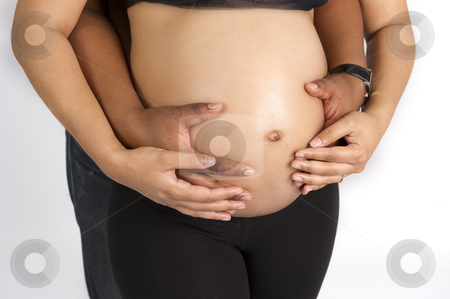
x=275, y=136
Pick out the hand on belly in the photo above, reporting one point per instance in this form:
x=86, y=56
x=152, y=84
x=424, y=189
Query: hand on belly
x=256, y=66
x=267, y=144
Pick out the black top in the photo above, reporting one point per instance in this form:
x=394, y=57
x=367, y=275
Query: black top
x=278, y=4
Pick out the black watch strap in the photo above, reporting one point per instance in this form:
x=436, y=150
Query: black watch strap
x=359, y=72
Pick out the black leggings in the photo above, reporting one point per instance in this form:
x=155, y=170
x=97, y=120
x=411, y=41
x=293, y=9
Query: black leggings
x=158, y=252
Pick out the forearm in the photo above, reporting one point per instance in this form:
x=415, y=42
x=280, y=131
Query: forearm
x=361, y=130
x=60, y=83
x=103, y=62
x=339, y=25
x=390, y=73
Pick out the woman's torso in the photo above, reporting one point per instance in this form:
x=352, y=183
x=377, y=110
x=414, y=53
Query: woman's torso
x=255, y=61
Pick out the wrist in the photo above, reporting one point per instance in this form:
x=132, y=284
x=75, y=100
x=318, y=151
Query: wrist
x=359, y=72
x=382, y=113
x=357, y=86
x=113, y=162
x=128, y=128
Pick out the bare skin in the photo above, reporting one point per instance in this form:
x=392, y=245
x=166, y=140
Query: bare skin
x=147, y=170
x=256, y=66
x=321, y=165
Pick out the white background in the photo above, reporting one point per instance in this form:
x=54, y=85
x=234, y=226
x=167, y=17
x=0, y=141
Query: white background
x=401, y=194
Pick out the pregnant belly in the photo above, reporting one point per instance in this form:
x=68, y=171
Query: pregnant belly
x=254, y=61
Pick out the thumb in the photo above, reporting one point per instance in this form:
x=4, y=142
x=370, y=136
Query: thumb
x=322, y=89
x=330, y=134
x=193, y=114
x=186, y=160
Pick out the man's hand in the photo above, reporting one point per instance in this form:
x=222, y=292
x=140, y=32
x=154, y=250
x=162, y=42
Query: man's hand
x=340, y=94
x=151, y=171
x=321, y=165
x=167, y=127
x=164, y=127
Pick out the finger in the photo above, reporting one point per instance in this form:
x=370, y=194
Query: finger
x=322, y=89
x=182, y=190
x=185, y=160
x=196, y=160
x=225, y=216
x=217, y=206
x=209, y=182
x=323, y=168
x=338, y=154
x=331, y=134
x=195, y=177
x=229, y=167
x=201, y=179
x=196, y=113
x=315, y=179
x=305, y=189
x=349, y=154
x=297, y=184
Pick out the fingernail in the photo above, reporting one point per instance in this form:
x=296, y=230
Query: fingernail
x=213, y=106
x=297, y=166
x=208, y=161
x=226, y=219
x=235, y=189
x=246, y=197
x=300, y=156
x=240, y=207
x=298, y=178
x=314, y=85
x=249, y=172
x=316, y=142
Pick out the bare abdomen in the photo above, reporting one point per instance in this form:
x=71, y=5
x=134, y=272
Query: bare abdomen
x=256, y=62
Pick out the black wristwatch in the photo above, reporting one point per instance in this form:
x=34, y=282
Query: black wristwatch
x=359, y=72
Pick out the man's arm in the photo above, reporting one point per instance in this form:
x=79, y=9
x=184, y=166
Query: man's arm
x=339, y=25
x=60, y=83
x=102, y=60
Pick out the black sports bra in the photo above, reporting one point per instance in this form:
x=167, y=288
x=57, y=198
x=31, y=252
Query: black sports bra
x=279, y=4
